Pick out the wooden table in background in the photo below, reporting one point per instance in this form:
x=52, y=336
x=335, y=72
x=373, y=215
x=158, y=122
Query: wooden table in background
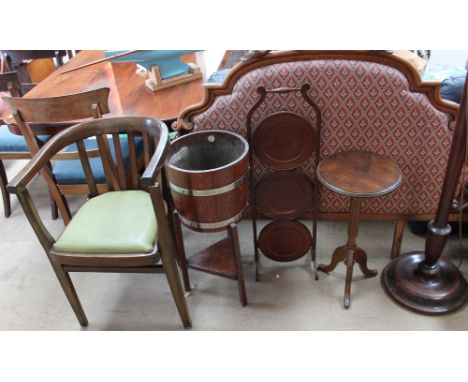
x=128, y=93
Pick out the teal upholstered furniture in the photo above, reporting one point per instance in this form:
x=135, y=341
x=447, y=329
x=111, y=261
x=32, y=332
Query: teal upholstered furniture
x=168, y=61
x=122, y=229
x=12, y=146
x=71, y=172
x=15, y=143
x=218, y=76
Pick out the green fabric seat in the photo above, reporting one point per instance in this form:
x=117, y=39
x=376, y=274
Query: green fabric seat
x=114, y=222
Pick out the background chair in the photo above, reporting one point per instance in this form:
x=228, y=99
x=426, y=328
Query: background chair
x=12, y=146
x=66, y=175
x=122, y=231
x=31, y=72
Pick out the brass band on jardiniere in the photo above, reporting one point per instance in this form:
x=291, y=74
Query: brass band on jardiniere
x=207, y=173
x=210, y=226
x=209, y=192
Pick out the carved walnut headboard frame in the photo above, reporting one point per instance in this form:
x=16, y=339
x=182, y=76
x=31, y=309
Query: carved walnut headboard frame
x=370, y=100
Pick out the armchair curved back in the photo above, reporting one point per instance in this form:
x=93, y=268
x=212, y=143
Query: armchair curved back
x=153, y=133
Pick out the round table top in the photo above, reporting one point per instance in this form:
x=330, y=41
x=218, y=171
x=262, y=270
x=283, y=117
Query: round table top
x=359, y=173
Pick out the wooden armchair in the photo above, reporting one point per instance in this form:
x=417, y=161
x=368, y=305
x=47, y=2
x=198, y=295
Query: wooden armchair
x=124, y=230
x=12, y=146
x=67, y=176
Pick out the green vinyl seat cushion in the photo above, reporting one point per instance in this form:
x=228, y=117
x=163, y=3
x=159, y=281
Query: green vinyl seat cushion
x=112, y=223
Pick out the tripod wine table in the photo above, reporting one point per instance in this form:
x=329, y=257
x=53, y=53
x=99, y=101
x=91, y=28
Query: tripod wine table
x=357, y=174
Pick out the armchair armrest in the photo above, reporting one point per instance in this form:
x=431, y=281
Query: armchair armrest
x=44, y=236
x=37, y=164
x=22, y=179
x=18, y=186
x=157, y=160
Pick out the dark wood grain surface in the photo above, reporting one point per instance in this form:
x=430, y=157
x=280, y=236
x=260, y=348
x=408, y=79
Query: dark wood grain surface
x=298, y=140
x=359, y=173
x=217, y=260
x=128, y=93
x=284, y=240
x=284, y=195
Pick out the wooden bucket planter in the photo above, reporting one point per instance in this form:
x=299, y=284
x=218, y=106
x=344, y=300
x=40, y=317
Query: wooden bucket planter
x=207, y=173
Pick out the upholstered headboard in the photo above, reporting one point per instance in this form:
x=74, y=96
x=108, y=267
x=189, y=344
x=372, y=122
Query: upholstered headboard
x=368, y=100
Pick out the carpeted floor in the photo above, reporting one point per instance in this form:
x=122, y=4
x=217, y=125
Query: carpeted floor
x=286, y=298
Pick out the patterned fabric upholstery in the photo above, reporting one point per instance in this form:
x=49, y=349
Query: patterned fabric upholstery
x=71, y=171
x=10, y=142
x=365, y=106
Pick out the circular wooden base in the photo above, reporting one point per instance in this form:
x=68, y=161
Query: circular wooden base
x=442, y=292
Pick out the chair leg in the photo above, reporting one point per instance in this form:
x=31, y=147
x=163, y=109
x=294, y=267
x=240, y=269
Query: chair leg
x=397, y=238
x=172, y=274
x=5, y=193
x=70, y=292
x=169, y=255
x=182, y=259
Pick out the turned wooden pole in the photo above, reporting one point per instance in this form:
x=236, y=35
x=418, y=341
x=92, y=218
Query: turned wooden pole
x=439, y=229
x=424, y=281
